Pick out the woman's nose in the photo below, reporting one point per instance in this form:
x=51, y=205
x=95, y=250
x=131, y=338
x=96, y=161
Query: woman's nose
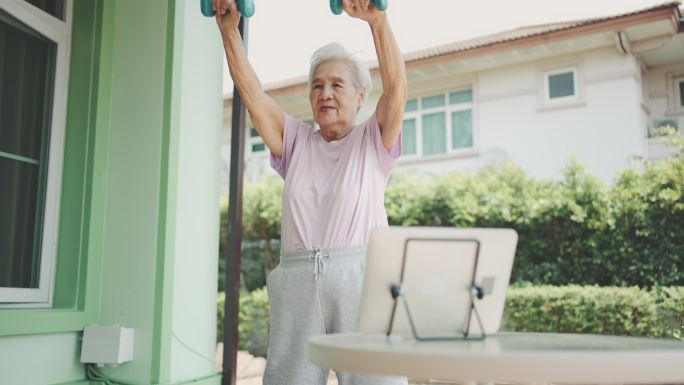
x=326, y=93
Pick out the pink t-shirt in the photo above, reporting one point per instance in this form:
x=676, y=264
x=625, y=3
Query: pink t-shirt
x=334, y=191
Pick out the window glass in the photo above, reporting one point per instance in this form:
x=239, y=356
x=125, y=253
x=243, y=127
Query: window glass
x=434, y=133
x=26, y=72
x=27, y=68
x=53, y=7
x=433, y=101
x=258, y=147
x=411, y=105
x=19, y=233
x=561, y=85
x=461, y=97
x=408, y=137
x=461, y=129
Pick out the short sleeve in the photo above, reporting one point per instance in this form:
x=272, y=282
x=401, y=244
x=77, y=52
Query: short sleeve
x=293, y=133
x=386, y=158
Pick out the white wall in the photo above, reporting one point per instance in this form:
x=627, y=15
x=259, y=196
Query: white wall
x=604, y=130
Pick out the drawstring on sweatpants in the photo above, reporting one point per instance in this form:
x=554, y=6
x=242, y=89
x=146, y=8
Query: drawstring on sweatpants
x=317, y=258
x=320, y=257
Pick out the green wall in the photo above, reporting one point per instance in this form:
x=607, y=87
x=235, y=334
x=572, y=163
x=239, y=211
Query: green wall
x=162, y=218
x=134, y=177
x=40, y=359
x=196, y=209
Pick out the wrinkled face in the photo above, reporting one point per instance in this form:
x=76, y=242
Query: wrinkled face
x=334, y=97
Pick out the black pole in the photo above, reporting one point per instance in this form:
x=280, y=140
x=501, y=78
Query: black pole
x=233, y=253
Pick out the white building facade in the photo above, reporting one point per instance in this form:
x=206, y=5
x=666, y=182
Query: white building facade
x=538, y=96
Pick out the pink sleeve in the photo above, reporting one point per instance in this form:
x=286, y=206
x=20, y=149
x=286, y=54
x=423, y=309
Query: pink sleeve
x=292, y=133
x=386, y=157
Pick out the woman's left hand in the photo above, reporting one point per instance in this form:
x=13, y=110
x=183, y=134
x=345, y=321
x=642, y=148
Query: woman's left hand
x=362, y=9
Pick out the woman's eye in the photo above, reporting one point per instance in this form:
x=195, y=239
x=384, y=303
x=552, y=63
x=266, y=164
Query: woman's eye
x=338, y=85
x=317, y=87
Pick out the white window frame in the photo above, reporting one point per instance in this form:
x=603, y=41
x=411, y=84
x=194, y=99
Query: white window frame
x=448, y=109
x=547, y=86
x=59, y=31
x=544, y=102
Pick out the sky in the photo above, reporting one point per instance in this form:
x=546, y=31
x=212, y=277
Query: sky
x=284, y=33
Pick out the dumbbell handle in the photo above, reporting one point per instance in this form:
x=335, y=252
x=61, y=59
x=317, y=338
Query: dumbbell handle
x=336, y=5
x=246, y=8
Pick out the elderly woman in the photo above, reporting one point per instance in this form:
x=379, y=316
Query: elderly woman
x=335, y=180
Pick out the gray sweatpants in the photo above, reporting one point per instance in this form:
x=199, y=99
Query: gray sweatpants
x=311, y=293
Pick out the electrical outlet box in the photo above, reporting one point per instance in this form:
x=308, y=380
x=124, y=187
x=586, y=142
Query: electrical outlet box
x=107, y=345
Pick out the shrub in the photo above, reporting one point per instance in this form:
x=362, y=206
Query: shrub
x=575, y=230
x=253, y=325
x=261, y=232
x=632, y=311
x=596, y=310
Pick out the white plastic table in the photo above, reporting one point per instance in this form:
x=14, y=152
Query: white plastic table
x=533, y=358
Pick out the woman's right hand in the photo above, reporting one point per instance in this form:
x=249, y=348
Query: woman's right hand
x=227, y=14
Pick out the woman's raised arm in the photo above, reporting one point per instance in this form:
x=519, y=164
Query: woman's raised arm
x=390, y=108
x=266, y=114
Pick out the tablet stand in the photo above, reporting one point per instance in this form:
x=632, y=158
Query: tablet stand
x=476, y=293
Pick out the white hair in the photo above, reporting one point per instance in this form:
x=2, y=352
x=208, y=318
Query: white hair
x=335, y=51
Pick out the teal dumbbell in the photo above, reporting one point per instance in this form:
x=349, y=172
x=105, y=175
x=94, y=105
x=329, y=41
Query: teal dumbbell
x=336, y=5
x=246, y=8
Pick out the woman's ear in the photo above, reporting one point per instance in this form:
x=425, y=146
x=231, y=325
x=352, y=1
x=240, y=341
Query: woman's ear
x=359, y=98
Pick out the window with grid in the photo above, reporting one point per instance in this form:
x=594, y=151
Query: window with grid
x=438, y=124
x=34, y=51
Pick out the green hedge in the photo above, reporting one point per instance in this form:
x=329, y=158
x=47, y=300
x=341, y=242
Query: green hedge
x=632, y=311
x=575, y=230
x=657, y=312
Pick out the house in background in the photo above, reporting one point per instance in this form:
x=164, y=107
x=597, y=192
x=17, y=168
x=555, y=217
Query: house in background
x=110, y=119
x=538, y=95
